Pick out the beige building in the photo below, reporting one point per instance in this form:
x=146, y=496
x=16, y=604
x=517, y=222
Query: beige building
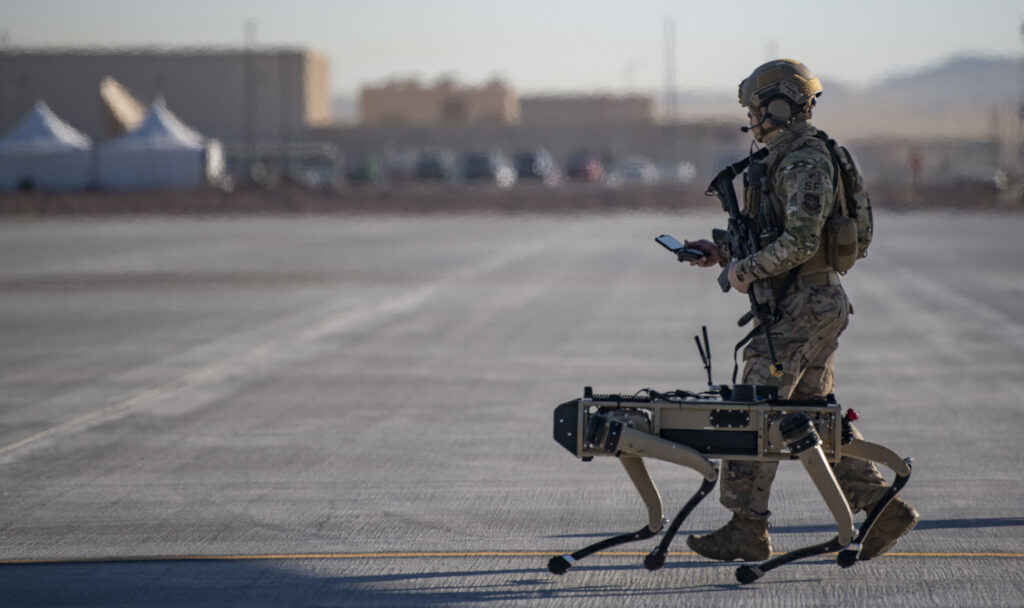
x=267, y=95
x=409, y=103
x=563, y=110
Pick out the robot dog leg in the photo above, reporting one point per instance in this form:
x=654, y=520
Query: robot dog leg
x=804, y=443
x=626, y=434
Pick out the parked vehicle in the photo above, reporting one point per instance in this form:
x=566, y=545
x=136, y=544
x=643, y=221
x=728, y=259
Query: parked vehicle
x=682, y=172
x=633, y=170
x=491, y=166
x=537, y=164
x=584, y=166
x=986, y=178
x=437, y=166
x=368, y=172
x=399, y=166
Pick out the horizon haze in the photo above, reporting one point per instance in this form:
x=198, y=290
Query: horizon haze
x=538, y=47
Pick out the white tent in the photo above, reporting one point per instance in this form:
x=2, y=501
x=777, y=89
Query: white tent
x=162, y=152
x=44, y=152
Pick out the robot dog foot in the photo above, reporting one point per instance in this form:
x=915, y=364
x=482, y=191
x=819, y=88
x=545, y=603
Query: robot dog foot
x=560, y=564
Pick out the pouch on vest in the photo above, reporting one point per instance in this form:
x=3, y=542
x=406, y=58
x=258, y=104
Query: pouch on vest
x=840, y=242
x=848, y=232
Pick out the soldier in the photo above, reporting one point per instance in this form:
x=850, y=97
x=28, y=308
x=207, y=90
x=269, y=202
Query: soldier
x=791, y=205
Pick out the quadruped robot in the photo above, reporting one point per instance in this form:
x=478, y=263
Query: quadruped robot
x=725, y=422
x=740, y=422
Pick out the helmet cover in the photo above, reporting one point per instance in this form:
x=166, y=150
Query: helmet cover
x=785, y=78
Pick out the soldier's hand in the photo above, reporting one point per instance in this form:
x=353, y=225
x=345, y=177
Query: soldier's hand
x=735, y=281
x=712, y=256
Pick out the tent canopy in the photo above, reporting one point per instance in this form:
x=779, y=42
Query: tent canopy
x=160, y=129
x=43, y=131
x=162, y=152
x=43, y=152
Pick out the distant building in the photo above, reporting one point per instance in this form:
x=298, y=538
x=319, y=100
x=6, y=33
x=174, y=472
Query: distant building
x=241, y=97
x=582, y=110
x=409, y=103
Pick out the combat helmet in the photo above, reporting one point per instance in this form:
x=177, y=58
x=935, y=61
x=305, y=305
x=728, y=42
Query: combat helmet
x=784, y=87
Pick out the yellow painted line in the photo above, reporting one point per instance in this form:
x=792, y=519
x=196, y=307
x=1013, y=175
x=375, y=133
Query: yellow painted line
x=925, y=554
x=414, y=554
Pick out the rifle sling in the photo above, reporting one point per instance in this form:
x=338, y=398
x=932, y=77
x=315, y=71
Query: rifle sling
x=790, y=281
x=731, y=171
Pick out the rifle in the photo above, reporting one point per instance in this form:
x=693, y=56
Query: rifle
x=743, y=242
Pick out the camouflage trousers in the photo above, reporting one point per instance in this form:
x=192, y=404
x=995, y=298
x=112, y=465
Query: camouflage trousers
x=805, y=341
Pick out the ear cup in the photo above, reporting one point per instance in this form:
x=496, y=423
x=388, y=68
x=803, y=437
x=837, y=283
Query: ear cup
x=779, y=109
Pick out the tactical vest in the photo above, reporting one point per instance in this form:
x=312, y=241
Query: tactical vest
x=847, y=231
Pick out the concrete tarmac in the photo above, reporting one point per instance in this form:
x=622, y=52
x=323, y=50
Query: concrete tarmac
x=356, y=411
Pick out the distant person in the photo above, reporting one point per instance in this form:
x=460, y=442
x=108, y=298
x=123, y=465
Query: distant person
x=793, y=194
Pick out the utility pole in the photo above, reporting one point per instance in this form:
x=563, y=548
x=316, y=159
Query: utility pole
x=284, y=88
x=671, y=99
x=248, y=93
x=1016, y=152
x=7, y=91
x=1020, y=104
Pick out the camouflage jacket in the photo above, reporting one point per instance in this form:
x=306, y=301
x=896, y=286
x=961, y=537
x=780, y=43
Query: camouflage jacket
x=791, y=205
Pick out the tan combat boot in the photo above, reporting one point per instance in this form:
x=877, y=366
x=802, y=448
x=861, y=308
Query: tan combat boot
x=897, y=519
x=744, y=538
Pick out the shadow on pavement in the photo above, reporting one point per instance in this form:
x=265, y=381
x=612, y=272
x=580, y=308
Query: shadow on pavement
x=327, y=582
x=924, y=524
x=314, y=582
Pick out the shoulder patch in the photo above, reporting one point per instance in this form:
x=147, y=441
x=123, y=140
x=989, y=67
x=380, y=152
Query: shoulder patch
x=810, y=182
x=809, y=187
x=811, y=204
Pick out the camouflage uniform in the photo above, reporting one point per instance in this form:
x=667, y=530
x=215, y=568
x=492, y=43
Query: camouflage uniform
x=797, y=196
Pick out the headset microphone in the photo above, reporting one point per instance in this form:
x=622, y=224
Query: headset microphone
x=752, y=127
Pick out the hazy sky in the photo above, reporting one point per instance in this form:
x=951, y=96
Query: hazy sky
x=563, y=45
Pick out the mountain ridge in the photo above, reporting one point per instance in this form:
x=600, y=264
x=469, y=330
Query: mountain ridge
x=957, y=96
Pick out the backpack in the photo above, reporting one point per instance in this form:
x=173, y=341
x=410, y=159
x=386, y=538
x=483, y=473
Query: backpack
x=849, y=230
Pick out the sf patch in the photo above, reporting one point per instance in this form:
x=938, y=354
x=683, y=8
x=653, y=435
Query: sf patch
x=809, y=189
x=811, y=204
